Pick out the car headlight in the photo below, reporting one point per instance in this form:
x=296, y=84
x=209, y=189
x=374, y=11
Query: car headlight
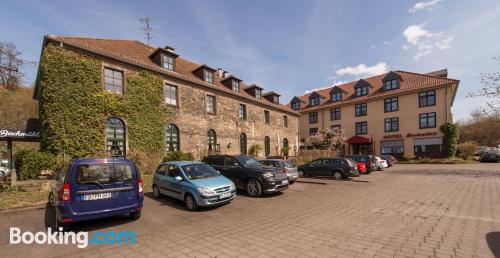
x=268, y=175
x=206, y=191
x=233, y=187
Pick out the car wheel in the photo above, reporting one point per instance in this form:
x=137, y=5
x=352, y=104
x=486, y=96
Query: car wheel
x=156, y=192
x=253, y=188
x=337, y=175
x=191, y=204
x=135, y=215
x=291, y=182
x=52, y=200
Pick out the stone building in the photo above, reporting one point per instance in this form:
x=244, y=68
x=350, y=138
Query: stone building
x=212, y=111
x=396, y=113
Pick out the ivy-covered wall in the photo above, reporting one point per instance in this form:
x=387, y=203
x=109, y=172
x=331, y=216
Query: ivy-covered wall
x=74, y=107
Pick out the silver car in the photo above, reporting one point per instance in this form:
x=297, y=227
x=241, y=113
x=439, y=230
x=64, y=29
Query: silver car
x=4, y=172
x=285, y=165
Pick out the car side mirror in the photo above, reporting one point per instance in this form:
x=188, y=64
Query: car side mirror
x=178, y=178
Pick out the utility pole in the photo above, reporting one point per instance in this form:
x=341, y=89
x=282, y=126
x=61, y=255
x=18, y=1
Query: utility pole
x=147, y=28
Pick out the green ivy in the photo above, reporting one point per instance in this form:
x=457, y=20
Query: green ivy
x=74, y=107
x=450, y=138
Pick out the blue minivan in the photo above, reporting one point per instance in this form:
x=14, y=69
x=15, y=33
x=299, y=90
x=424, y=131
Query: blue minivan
x=194, y=182
x=89, y=189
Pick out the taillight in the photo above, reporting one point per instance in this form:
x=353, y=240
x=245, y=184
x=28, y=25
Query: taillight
x=284, y=170
x=66, y=196
x=139, y=185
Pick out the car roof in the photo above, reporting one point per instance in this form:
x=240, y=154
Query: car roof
x=272, y=160
x=100, y=160
x=182, y=162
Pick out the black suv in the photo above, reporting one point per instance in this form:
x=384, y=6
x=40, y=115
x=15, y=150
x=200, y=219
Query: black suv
x=337, y=167
x=248, y=174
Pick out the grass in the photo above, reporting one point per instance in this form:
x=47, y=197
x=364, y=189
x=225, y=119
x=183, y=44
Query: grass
x=19, y=198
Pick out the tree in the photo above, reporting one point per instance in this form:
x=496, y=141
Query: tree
x=482, y=127
x=10, y=65
x=490, y=82
x=324, y=139
x=255, y=149
x=467, y=149
x=450, y=137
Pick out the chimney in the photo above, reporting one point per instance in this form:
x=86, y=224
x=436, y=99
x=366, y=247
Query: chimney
x=219, y=72
x=225, y=74
x=439, y=73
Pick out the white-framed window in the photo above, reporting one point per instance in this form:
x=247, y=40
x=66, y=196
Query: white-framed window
x=170, y=92
x=169, y=62
x=235, y=85
x=113, y=80
x=208, y=76
x=211, y=104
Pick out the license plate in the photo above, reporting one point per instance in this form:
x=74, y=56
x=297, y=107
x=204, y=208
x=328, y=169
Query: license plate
x=225, y=195
x=97, y=196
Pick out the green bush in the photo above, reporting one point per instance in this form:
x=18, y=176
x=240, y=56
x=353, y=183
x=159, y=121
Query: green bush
x=34, y=163
x=18, y=158
x=450, y=138
x=177, y=156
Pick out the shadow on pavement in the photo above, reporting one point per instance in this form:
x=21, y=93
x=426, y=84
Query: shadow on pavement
x=50, y=220
x=177, y=204
x=493, y=240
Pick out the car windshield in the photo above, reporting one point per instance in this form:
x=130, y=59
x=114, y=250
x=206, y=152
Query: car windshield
x=199, y=171
x=248, y=161
x=103, y=173
x=289, y=164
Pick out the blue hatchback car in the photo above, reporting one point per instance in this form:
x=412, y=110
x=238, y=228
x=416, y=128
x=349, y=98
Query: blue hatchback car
x=89, y=189
x=194, y=182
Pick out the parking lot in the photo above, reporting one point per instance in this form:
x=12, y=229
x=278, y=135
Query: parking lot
x=405, y=211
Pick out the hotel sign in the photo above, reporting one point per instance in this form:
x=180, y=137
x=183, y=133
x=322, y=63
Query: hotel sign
x=5, y=133
x=400, y=136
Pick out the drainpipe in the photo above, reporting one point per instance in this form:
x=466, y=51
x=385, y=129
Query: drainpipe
x=446, y=103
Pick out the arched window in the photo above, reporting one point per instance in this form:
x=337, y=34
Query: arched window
x=267, y=146
x=285, y=142
x=172, y=138
x=211, y=140
x=243, y=144
x=115, y=137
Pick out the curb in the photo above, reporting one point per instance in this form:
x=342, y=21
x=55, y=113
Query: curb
x=311, y=182
x=34, y=206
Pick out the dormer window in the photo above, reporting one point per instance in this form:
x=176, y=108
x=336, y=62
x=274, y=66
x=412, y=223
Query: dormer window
x=235, y=85
x=314, y=102
x=272, y=97
x=361, y=91
x=296, y=105
x=168, y=62
x=258, y=93
x=361, y=88
x=276, y=99
x=392, y=80
x=391, y=84
x=336, y=96
x=208, y=76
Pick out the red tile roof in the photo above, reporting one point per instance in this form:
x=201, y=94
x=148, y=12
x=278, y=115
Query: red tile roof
x=409, y=82
x=137, y=53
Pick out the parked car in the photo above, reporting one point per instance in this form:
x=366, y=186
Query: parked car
x=194, y=182
x=361, y=167
x=381, y=163
x=390, y=160
x=369, y=161
x=479, y=151
x=490, y=156
x=337, y=167
x=88, y=189
x=247, y=173
x=4, y=172
x=286, y=166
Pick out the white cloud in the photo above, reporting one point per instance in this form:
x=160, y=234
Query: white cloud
x=424, y=6
x=334, y=83
x=363, y=70
x=425, y=41
x=387, y=43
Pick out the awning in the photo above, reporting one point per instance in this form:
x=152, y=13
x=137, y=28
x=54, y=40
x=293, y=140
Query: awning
x=359, y=140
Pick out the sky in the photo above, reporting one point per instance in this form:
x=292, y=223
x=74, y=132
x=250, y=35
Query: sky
x=286, y=46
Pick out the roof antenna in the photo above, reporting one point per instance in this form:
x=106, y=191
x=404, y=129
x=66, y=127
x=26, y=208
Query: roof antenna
x=147, y=28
